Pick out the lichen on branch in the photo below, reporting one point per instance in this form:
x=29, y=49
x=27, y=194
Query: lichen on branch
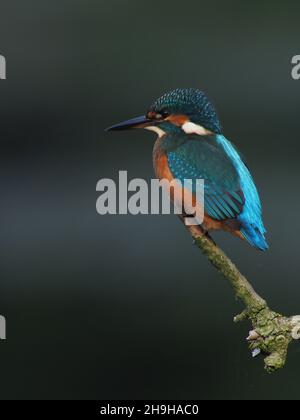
x=271, y=333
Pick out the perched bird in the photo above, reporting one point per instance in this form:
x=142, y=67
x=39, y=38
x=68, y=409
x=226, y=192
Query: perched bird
x=190, y=145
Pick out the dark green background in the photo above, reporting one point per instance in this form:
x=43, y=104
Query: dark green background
x=123, y=306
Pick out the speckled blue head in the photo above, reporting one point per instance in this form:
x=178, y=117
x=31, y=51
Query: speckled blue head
x=173, y=109
x=192, y=103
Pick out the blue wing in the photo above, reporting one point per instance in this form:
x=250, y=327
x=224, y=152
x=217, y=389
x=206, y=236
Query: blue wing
x=202, y=159
x=230, y=192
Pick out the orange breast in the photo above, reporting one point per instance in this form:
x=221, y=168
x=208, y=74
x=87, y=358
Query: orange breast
x=178, y=194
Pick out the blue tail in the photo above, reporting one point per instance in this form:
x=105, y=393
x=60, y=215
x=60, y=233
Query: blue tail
x=255, y=238
x=252, y=227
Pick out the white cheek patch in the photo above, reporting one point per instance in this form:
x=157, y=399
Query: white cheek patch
x=192, y=128
x=156, y=130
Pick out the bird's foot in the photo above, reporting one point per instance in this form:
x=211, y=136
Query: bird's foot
x=210, y=238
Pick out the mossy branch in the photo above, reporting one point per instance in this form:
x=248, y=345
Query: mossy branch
x=272, y=333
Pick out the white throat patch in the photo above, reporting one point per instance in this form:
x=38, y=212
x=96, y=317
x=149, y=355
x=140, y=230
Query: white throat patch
x=156, y=130
x=192, y=128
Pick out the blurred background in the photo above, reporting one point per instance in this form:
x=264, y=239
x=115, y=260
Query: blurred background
x=124, y=307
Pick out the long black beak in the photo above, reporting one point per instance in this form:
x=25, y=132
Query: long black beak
x=138, y=122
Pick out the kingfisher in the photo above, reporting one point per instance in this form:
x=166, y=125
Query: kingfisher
x=191, y=145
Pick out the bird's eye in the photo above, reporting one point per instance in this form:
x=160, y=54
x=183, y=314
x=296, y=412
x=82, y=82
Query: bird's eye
x=157, y=115
x=161, y=115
